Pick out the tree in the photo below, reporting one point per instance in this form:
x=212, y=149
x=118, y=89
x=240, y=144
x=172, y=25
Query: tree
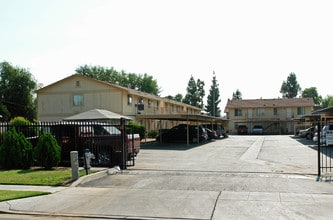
x=290, y=88
x=312, y=93
x=201, y=92
x=148, y=84
x=178, y=97
x=236, y=95
x=143, y=83
x=195, y=93
x=17, y=86
x=213, y=99
x=327, y=102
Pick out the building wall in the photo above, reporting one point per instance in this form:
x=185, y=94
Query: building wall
x=56, y=102
x=280, y=121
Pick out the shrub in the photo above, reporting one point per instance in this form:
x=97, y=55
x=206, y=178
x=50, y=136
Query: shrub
x=137, y=129
x=23, y=125
x=152, y=134
x=15, y=151
x=19, y=120
x=47, y=152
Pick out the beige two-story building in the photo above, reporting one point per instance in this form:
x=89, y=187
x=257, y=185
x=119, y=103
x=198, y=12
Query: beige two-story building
x=277, y=116
x=76, y=94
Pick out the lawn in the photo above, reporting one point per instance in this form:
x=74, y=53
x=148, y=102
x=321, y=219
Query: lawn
x=11, y=194
x=34, y=176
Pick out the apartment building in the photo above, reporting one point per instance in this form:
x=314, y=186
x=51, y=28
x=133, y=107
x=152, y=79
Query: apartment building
x=277, y=116
x=76, y=94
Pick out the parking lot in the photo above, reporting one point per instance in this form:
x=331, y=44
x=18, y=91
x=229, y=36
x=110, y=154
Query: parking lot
x=233, y=157
x=240, y=177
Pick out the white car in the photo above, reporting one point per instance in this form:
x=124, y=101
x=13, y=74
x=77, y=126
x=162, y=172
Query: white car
x=258, y=129
x=327, y=129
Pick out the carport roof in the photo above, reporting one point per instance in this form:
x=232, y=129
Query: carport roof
x=324, y=110
x=183, y=117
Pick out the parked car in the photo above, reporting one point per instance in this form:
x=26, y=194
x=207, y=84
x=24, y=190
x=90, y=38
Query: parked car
x=211, y=134
x=242, y=129
x=218, y=128
x=179, y=134
x=307, y=133
x=325, y=129
x=258, y=129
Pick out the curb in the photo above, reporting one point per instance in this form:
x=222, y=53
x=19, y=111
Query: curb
x=95, y=176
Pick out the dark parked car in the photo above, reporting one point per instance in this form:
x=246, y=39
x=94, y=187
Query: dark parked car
x=179, y=134
x=307, y=133
x=242, y=129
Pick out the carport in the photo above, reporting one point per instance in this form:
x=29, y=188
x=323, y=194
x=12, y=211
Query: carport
x=188, y=118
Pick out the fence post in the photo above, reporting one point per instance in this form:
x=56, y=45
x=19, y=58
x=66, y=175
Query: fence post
x=75, y=165
x=123, y=143
x=318, y=155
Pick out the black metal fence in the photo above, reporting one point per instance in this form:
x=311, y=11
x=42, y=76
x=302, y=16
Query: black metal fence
x=110, y=144
x=325, y=153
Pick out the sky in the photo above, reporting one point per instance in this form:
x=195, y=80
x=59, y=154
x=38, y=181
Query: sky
x=251, y=46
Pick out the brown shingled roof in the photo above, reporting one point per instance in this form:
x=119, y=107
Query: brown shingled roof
x=269, y=103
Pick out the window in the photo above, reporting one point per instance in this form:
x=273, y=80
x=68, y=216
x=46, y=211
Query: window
x=238, y=112
x=77, y=83
x=300, y=111
x=261, y=111
x=129, y=100
x=149, y=103
x=277, y=111
x=77, y=100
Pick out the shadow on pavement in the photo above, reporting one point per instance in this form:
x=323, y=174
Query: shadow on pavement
x=171, y=146
x=324, y=149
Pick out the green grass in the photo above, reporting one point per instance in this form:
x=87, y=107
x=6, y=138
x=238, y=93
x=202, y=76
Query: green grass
x=41, y=177
x=56, y=177
x=11, y=194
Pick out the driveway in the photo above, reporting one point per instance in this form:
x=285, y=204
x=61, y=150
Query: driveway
x=240, y=177
x=224, y=163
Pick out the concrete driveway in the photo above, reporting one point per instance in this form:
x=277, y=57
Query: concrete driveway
x=240, y=177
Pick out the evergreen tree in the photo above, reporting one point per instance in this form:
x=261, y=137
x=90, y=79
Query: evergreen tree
x=195, y=93
x=236, y=95
x=213, y=99
x=290, y=88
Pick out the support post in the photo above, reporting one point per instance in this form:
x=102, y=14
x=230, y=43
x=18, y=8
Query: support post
x=75, y=165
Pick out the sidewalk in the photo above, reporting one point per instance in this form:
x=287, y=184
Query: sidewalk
x=121, y=203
